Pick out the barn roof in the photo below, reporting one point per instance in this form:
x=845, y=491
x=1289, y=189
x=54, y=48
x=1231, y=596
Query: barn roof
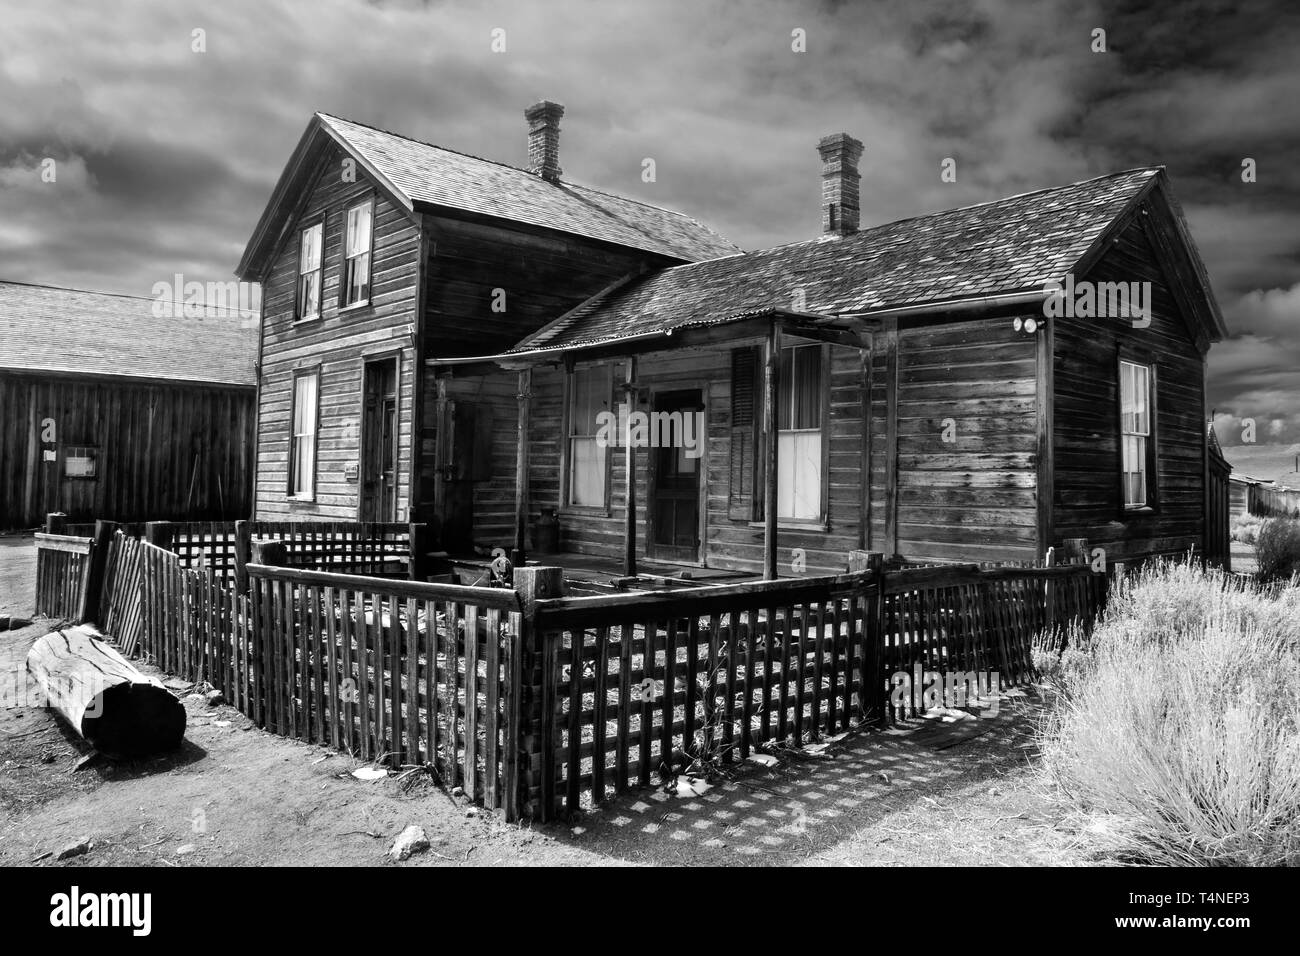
x=68, y=331
x=1005, y=246
x=430, y=178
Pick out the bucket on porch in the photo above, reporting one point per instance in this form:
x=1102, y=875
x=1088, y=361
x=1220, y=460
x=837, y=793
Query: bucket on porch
x=546, y=532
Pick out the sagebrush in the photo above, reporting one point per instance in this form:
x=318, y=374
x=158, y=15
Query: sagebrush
x=1177, y=731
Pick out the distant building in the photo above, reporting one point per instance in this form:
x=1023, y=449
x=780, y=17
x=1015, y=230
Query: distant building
x=110, y=411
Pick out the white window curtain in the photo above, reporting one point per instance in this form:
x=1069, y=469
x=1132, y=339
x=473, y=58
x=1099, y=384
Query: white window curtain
x=799, y=434
x=309, y=272
x=589, y=395
x=1135, y=426
x=302, y=458
x=357, y=254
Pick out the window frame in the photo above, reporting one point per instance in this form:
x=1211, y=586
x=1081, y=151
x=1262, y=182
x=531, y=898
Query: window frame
x=1151, y=458
x=344, y=261
x=291, y=492
x=316, y=222
x=822, y=521
x=566, y=450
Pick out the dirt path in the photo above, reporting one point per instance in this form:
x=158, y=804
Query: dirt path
x=235, y=795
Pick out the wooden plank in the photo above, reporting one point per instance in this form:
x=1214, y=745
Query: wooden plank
x=471, y=702
x=491, y=709
x=600, y=701
x=627, y=632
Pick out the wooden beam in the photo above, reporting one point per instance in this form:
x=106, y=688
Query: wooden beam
x=890, y=344
x=521, y=466
x=1046, y=476
x=629, y=465
x=771, y=389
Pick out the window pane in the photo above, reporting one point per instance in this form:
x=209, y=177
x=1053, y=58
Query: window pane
x=587, y=472
x=590, y=389
x=807, y=387
x=309, y=294
x=358, y=237
x=798, y=480
x=309, y=253
x=1134, y=469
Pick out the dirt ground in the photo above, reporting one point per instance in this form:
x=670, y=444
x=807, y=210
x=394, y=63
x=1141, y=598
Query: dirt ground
x=928, y=793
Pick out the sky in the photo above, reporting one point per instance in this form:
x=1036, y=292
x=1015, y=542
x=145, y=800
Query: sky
x=165, y=154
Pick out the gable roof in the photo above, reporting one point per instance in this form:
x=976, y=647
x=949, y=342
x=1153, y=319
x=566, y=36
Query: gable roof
x=67, y=331
x=1006, y=246
x=424, y=177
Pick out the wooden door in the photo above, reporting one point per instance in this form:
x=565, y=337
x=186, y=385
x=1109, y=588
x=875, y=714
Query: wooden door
x=379, y=431
x=674, y=512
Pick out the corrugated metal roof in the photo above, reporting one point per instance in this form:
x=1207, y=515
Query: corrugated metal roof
x=1007, y=245
x=43, y=328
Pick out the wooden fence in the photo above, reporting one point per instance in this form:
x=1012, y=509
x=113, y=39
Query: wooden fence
x=539, y=703
x=63, y=567
x=633, y=687
x=411, y=673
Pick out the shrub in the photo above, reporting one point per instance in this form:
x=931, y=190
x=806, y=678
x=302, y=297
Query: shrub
x=1245, y=528
x=1277, y=549
x=1177, y=733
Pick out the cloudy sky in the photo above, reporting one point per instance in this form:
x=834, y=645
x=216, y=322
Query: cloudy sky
x=165, y=156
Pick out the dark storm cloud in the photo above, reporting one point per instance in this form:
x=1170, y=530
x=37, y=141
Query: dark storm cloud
x=166, y=156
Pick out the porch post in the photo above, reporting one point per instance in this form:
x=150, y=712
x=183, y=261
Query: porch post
x=521, y=467
x=629, y=467
x=771, y=389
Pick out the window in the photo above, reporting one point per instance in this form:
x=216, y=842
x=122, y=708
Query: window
x=80, y=461
x=589, y=395
x=356, y=252
x=799, y=434
x=1137, y=450
x=309, y=272
x=302, y=446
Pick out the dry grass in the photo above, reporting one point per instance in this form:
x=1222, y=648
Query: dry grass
x=1177, y=739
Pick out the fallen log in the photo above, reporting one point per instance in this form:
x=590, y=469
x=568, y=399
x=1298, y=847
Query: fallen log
x=118, y=710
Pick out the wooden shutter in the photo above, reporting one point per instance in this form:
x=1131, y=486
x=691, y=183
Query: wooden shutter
x=744, y=432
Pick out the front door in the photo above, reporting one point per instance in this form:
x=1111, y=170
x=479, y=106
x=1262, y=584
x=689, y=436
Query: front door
x=677, y=443
x=379, y=433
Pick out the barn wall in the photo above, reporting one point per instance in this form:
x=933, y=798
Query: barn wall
x=974, y=497
x=1088, y=498
x=338, y=342
x=165, y=451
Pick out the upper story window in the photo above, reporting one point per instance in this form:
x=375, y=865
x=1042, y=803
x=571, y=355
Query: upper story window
x=309, y=272
x=356, y=254
x=302, y=444
x=799, y=434
x=590, y=391
x=1137, y=449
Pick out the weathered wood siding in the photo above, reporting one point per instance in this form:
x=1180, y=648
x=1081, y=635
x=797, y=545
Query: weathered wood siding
x=730, y=543
x=164, y=451
x=971, y=498
x=539, y=275
x=339, y=342
x=1088, y=494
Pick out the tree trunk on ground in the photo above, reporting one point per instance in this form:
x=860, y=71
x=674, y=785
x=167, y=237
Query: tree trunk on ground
x=112, y=705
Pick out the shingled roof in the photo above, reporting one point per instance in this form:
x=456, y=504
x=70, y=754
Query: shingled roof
x=428, y=177
x=67, y=331
x=1009, y=245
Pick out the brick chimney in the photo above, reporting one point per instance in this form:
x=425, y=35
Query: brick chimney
x=544, y=139
x=840, y=153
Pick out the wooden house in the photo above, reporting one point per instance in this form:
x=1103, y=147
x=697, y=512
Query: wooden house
x=110, y=410
x=941, y=388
